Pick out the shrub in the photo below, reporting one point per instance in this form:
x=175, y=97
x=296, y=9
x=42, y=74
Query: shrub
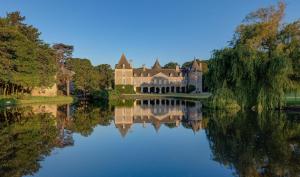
x=191, y=88
x=224, y=98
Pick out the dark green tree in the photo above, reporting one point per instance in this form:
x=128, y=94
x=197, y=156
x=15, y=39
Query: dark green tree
x=170, y=65
x=85, y=78
x=105, y=76
x=25, y=60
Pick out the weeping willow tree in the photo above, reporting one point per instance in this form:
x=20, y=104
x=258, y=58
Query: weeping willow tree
x=260, y=65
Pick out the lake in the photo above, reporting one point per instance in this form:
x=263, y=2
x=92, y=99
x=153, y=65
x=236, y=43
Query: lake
x=151, y=138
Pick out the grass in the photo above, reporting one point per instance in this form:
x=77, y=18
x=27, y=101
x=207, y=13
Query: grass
x=10, y=100
x=192, y=96
x=293, y=101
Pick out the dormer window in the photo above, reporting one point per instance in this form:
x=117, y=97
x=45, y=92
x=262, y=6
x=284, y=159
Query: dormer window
x=170, y=74
x=123, y=66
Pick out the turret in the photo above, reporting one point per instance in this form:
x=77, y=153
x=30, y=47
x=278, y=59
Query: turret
x=195, y=76
x=156, y=65
x=123, y=72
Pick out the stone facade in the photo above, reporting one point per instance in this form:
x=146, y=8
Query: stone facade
x=157, y=79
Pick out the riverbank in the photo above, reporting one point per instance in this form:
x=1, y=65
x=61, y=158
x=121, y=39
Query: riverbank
x=9, y=101
x=192, y=96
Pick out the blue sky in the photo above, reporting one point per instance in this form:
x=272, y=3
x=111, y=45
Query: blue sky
x=171, y=30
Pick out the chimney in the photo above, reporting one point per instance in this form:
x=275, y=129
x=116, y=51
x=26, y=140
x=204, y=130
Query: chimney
x=177, y=68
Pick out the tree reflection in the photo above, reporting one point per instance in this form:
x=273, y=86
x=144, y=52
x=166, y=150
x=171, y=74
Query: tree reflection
x=86, y=117
x=25, y=139
x=28, y=135
x=265, y=144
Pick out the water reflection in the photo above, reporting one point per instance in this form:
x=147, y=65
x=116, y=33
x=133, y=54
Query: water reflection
x=265, y=144
x=157, y=112
x=246, y=143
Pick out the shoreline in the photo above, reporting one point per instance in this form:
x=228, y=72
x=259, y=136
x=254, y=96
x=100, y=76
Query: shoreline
x=11, y=101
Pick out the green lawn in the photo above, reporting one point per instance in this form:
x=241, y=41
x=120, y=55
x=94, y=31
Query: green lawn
x=5, y=101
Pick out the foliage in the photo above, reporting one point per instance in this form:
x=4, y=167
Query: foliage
x=25, y=61
x=105, y=76
x=191, y=88
x=100, y=96
x=63, y=52
x=170, y=65
x=224, y=99
x=261, y=64
x=89, y=80
x=85, y=78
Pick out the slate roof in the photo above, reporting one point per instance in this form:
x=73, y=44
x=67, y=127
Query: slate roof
x=195, y=66
x=156, y=65
x=123, y=61
x=144, y=72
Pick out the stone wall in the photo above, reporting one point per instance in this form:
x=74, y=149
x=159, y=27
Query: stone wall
x=45, y=91
x=123, y=77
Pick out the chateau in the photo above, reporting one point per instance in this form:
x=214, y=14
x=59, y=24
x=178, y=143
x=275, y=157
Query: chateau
x=158, y=79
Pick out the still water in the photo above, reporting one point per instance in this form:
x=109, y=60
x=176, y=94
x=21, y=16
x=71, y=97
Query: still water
x=147, y=138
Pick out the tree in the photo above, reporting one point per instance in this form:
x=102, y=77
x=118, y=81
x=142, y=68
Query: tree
x=105, y=75
x=85, y=78
x=25, y=60
x=256, y=67
x=170, y=65
x=63, y=52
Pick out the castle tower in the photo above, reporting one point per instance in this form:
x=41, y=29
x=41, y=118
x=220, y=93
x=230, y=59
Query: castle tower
x=123, y=72
x=195, y=76
x=156, y=65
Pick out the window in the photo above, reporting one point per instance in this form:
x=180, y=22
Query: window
x=124, y=81
x=159, y=81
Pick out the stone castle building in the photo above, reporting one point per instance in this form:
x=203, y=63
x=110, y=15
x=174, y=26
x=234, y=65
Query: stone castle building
x=158, y=79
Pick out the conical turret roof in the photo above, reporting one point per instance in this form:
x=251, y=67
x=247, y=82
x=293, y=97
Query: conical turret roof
x=195, y=66
x=156, y=65
x=123, y=62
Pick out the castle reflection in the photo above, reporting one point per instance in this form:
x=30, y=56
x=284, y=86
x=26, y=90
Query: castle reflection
x=170, y=112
